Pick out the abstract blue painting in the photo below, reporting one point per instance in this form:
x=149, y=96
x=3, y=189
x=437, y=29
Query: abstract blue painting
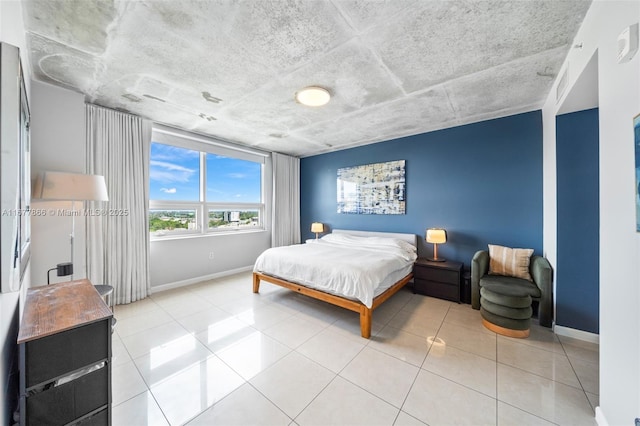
x=372, y=188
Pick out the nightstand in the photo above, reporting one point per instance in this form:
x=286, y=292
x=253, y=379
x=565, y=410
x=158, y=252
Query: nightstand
x=437, y=279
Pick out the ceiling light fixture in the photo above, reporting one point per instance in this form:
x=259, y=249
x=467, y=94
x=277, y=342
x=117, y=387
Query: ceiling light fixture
x=313, y=96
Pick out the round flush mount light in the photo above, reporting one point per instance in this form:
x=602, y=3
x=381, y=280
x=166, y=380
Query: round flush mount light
x=313, y=96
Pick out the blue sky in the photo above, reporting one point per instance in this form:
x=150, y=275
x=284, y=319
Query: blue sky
x=174, y=174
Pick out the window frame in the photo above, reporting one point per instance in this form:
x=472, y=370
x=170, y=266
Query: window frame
x=204, y=146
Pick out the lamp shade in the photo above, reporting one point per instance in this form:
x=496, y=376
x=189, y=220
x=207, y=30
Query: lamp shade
x=317, y=227
x=61, y=186
x=436, y=236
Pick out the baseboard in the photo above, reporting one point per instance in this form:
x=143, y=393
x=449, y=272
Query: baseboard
x=576, y=334
x=600, y=419
x=190, y=281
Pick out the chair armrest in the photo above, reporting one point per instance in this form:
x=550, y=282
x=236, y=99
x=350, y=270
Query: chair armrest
x=542, y=275
x=479, y=267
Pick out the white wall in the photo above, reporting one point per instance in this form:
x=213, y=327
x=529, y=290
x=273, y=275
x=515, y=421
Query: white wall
x=57, y=144
x=58, y=138
x=186, y=260
x=11, y=31
x=619, y=102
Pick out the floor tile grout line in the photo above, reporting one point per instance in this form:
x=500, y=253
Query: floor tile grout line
x=537, y=375
x=528, y=412
x=175, y=373
x=305, y=407
x=370, y=393
x=246, y=382
x=577, y=377
x=336, y=375
x=407, y=414
x=420, y=368
x=291, y=419
x=542, y=377
x=528, y=345
x=315, y=397
x=461, y=384
x=148, y=389
x=159, y=406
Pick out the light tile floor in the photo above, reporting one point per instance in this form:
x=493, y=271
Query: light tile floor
x=215, y=353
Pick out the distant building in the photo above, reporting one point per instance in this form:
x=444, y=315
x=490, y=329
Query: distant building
x=232, y=216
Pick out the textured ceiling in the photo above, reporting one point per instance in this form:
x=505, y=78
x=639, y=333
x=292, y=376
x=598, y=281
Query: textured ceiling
x=230, y=69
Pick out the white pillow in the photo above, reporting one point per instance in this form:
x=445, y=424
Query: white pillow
x=356, y=240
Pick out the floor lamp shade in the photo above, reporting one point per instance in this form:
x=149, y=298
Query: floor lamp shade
x=61, y=186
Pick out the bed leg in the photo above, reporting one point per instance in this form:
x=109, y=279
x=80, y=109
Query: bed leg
x=256, y=283
x=365, y=322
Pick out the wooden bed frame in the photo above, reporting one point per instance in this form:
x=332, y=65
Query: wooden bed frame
x=352, y=305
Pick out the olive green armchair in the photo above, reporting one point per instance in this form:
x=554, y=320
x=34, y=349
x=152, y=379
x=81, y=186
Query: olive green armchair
x=540, y=290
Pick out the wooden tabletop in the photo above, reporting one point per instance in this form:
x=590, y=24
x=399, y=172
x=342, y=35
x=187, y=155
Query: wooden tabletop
x=59, y=307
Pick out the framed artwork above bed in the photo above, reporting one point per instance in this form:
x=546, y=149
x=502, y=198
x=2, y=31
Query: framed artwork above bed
x=372, y=188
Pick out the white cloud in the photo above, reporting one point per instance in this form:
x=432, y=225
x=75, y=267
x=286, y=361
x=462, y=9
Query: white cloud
x=237, y=175
x=166, y=172
x=169, y=190
x=170, y=166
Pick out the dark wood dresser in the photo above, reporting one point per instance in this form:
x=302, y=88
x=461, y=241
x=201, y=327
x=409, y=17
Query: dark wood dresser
x=65, y=356
x=438, y=279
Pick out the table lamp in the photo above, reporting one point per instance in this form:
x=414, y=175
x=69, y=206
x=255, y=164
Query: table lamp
x=317, y=227
x=436, y=236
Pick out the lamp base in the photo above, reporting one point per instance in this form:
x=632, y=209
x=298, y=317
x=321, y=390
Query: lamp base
x=439, y=259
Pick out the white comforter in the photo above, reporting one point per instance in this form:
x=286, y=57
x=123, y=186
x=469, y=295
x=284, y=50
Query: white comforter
x=347, y=265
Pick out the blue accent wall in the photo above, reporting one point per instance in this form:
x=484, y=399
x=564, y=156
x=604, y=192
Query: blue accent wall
x=481, y=182
x=578, y=268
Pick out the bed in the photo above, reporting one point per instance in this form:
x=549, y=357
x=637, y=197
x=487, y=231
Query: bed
x=356, y=270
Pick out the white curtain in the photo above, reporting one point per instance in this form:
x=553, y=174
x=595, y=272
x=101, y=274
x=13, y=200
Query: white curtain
x=285, y=218
x=118, y=239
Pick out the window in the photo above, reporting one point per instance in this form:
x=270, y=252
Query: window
x=198, y=187
x=174, y=173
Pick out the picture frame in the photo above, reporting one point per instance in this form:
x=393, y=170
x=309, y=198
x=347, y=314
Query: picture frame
x=378, y=188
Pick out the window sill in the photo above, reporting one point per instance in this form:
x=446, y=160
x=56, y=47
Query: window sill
x=205, y=235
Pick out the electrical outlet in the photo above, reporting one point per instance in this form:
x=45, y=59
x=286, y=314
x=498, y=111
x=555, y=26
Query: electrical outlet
x=211, y=255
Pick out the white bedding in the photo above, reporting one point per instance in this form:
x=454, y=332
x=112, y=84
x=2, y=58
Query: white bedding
x=351, y=266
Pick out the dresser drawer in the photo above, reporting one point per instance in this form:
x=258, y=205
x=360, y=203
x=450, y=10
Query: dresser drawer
x=437, y=289
x=58, y=354
x=433, y=274
x=62, y=404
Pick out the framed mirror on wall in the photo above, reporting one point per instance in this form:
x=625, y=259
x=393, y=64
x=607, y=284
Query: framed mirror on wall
x=15, y=173
x=24, y=198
